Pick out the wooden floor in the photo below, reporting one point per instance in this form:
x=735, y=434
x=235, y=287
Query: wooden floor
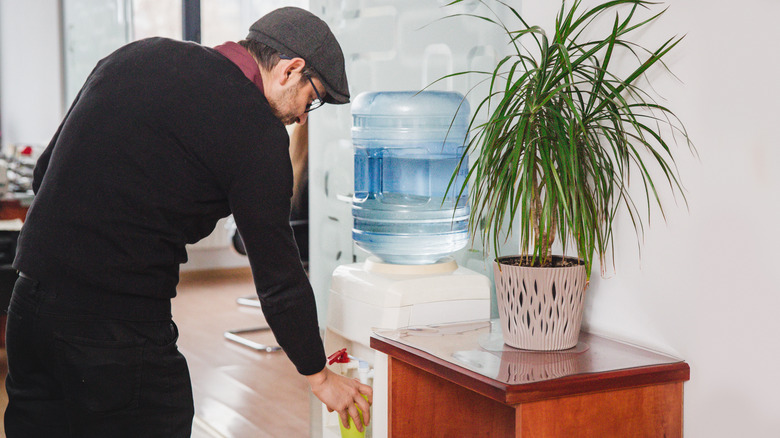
x=239, y=393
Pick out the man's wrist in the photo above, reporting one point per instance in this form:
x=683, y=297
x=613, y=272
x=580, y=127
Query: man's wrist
x=319, y=378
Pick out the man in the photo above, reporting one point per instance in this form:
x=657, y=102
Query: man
x=164, y=139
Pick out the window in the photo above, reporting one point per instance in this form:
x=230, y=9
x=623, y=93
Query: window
x=92, y=29
x=156, y=18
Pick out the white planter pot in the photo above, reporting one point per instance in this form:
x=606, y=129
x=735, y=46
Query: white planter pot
x=540, y=308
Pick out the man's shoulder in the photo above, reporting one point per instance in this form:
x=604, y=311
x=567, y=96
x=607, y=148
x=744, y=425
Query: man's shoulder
x=162, y=46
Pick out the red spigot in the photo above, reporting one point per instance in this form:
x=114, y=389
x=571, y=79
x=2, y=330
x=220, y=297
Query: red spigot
x=340, y=356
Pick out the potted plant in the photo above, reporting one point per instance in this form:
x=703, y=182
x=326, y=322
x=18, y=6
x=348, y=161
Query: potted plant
x=564, y=128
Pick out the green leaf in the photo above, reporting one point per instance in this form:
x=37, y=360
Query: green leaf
x=564, y=132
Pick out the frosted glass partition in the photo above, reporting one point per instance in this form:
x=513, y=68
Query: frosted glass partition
x=229, y=20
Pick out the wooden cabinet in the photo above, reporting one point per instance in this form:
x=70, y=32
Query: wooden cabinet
x=601, y=388
x=13, y=209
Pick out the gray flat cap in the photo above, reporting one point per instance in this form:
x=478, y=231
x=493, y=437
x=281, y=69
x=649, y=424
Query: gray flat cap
x=298, y=33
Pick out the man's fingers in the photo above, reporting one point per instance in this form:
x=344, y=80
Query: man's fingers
x=353, y=412
x=368, y=392
x=344, y=417
x=365, y=409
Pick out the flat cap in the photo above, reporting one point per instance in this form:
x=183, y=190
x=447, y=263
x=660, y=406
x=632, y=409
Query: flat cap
x=298, y=33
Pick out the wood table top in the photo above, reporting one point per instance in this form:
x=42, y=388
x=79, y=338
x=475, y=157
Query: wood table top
x=473, y=355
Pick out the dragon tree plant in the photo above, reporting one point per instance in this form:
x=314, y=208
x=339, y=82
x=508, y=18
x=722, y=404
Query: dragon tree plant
x=564, y=128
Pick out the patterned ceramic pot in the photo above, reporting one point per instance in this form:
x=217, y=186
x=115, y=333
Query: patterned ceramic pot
x=540, y=308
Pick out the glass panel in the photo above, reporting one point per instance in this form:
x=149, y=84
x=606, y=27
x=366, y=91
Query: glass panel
x=92, y=29
x=229, y=20
x=157, y=18
x=95, y=28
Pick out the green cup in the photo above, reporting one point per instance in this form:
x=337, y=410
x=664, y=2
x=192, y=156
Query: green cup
x=352, y=432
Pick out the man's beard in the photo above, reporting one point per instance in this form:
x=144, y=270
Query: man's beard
x=281, y=107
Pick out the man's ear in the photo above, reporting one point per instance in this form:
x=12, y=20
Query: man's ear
x=289, y=67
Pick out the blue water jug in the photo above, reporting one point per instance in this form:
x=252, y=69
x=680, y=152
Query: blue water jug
x=407, y=147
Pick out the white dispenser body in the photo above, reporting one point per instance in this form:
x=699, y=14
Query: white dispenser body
x=374, y=295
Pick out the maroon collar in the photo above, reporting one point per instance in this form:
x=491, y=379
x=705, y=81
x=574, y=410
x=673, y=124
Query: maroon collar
x=241, y=57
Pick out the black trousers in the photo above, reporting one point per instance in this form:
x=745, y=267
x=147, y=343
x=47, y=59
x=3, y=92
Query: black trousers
x=72, y=374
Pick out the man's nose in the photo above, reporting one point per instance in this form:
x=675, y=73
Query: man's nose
x=302, y=118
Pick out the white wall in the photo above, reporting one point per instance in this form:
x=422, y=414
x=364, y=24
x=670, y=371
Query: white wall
x=706, y=288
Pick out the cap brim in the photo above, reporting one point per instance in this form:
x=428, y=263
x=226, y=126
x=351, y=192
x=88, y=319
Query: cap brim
x=333, y=97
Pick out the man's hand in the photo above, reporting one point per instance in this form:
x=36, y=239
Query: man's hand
x=341, y=394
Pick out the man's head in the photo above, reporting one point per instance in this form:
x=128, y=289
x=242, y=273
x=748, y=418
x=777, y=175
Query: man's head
x=292, y=43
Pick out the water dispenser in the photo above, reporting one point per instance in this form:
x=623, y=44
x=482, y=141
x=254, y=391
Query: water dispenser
x=407, y=146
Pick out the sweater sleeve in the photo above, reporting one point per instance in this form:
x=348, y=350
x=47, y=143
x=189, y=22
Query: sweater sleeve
x=43, y=161
x=259, y=198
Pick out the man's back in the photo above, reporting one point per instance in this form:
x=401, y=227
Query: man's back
x=141, y=166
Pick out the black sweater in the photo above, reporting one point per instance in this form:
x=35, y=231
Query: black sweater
x=164, y=139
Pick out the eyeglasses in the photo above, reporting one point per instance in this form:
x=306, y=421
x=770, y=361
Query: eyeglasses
x=316, y=103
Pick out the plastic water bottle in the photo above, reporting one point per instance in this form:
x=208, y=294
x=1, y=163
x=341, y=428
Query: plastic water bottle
x=407, y=147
